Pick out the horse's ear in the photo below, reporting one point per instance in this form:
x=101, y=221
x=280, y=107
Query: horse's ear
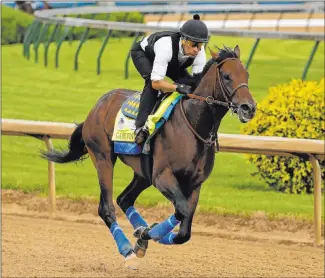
x=237, y=51
x=213, y=54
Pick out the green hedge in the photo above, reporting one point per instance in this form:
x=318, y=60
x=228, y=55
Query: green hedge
x=15, y=22
x=294, y=110
x=13, y=25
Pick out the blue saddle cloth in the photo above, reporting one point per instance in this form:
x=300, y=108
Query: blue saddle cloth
x=127, y=148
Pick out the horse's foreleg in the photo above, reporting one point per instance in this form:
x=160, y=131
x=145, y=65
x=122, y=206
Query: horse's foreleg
x=126, y=202
x=184, y=233
x=168, y=185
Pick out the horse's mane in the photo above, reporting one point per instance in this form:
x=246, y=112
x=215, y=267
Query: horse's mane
x=223, y=53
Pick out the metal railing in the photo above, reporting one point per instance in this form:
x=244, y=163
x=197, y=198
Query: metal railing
x=38, y=29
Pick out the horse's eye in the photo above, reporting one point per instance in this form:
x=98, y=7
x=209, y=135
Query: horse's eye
x=226, y=76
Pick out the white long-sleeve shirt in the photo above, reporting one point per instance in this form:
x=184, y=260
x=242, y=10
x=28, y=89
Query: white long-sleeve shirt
x=163, y=54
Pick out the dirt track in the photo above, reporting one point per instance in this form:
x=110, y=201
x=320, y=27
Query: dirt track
x=79, y=245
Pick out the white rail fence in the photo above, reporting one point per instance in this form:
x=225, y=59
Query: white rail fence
x=56, y=17
x=308, y=148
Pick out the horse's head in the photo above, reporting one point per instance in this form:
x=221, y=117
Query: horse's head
x=232, y=78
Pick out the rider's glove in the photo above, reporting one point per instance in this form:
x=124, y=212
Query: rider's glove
x=183, y=89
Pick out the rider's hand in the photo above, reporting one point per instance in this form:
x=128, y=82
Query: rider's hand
x=183, y=89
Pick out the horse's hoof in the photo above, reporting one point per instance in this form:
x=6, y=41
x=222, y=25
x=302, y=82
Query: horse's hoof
x=142, y=233
x=140, y=248
x=132, y=261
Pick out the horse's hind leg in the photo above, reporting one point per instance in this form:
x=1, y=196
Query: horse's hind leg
x=104, y=159
x=126, y=202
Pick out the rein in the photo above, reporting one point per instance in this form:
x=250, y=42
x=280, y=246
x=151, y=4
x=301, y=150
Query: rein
x=210, y=100
x=208, y=141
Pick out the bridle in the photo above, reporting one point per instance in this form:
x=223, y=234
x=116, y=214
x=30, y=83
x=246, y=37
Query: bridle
x=226, y=94
x=210, y=100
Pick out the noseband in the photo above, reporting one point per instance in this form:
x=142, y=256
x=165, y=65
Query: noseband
x=210, y=100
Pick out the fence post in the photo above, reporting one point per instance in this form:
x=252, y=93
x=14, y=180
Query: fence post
x=32, y=32
x=317, y=199
x=40, y=39
x=250, y=58
x=25, y=40
x=310, y=15
x=102, y=48
x=65, y=34
x=278, y=21
x=82, y=40
x=101, y=51
x=251, y=20
x=51, y=179
x=310, y=59
x=47, y=45
x=126, y=69
x=71, y=33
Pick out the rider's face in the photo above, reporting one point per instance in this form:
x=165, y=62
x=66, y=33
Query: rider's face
x=191, y=48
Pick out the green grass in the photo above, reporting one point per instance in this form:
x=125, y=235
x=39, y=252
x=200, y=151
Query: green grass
x=31, y=91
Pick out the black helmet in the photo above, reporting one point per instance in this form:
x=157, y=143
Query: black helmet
x=195, y=30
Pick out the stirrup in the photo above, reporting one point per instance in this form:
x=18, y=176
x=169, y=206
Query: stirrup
x=141, y=134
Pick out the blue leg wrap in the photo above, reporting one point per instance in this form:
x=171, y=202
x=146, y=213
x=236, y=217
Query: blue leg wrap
x=168, y=239
x=162, y=229
x=135, y=218
x=123, y=244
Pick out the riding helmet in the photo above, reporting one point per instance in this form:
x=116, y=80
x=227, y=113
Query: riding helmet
x=195, y=30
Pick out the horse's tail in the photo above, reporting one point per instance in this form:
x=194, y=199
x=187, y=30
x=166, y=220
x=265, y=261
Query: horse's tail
x=77, y=149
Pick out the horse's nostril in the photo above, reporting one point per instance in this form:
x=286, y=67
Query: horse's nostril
x=245, y=107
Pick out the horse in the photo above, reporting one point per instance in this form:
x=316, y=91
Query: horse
x=183, y=152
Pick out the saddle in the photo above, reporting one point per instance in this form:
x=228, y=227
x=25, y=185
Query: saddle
x=123, y=134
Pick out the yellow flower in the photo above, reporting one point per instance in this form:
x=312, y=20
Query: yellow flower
x=294, y=110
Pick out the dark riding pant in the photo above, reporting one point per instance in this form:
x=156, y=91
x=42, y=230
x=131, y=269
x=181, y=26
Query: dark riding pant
x=149, y=95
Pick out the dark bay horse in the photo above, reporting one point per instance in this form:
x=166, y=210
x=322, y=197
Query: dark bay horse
x=183, y=151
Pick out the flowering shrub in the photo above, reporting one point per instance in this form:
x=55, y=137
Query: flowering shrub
x=294, y=110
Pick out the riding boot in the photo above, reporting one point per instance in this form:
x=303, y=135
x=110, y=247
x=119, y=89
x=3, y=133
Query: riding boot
x=147, y=102
x=141, y=134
